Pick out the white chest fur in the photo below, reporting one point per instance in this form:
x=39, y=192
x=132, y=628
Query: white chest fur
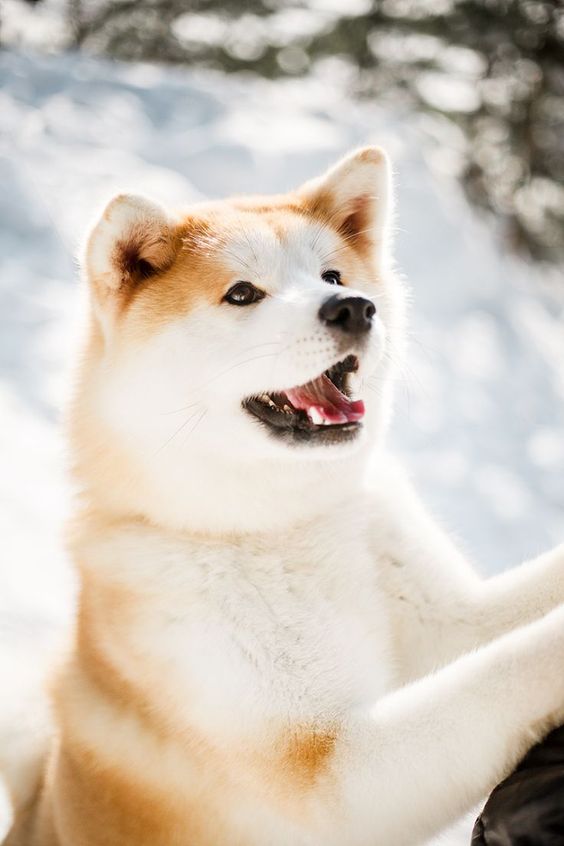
x=246, y=630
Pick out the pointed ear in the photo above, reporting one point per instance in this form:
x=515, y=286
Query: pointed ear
x=354, y=196
x=133, y=241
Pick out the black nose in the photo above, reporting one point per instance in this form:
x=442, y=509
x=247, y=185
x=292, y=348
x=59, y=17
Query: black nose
x=350, y=314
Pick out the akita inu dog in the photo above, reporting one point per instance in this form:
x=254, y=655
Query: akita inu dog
x=275, y=645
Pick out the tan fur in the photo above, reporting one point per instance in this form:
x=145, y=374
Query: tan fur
x=93, y=802
x=108, y=606
x=308, y=754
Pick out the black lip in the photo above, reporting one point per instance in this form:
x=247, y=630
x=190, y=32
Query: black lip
x=296, y=427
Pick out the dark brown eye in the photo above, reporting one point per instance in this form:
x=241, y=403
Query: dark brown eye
x=242, y=294
x=332, y=277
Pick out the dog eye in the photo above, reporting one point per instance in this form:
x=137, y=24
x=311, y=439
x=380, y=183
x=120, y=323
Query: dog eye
x=242, y=294
x=332, y=277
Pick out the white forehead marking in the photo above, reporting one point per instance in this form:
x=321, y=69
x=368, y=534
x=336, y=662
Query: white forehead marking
x=258, y=254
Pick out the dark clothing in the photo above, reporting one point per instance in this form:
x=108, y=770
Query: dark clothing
x=527, y=809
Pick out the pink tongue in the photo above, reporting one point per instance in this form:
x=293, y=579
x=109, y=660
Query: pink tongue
x=325, y=403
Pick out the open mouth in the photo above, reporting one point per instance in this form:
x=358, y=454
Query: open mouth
x=320, y=410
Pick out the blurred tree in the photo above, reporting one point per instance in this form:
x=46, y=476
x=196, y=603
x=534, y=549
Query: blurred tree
x=487, y=74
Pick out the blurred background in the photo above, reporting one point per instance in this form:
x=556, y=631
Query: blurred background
x=180, y=99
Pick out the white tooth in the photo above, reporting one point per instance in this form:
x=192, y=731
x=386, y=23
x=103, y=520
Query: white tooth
x=287, y=409
x=315, y=416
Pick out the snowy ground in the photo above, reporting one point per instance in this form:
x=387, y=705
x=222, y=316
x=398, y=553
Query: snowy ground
x=481, y=407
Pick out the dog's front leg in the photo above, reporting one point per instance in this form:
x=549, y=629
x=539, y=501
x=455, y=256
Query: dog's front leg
x=522, y=594
x=426, y=753
x=437, y=619
x=439, y=606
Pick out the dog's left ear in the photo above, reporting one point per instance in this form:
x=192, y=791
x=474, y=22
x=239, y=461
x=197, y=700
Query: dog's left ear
x=354, y=196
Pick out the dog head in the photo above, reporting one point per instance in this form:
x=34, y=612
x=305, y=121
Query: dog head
x=243, y=331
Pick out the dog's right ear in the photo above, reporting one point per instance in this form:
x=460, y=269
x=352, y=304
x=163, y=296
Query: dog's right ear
x=133, y=241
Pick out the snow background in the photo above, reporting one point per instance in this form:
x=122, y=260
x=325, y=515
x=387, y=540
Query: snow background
x=480, y=417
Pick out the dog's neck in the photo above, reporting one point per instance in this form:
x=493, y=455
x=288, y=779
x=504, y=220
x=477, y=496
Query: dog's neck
x=219, y=497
